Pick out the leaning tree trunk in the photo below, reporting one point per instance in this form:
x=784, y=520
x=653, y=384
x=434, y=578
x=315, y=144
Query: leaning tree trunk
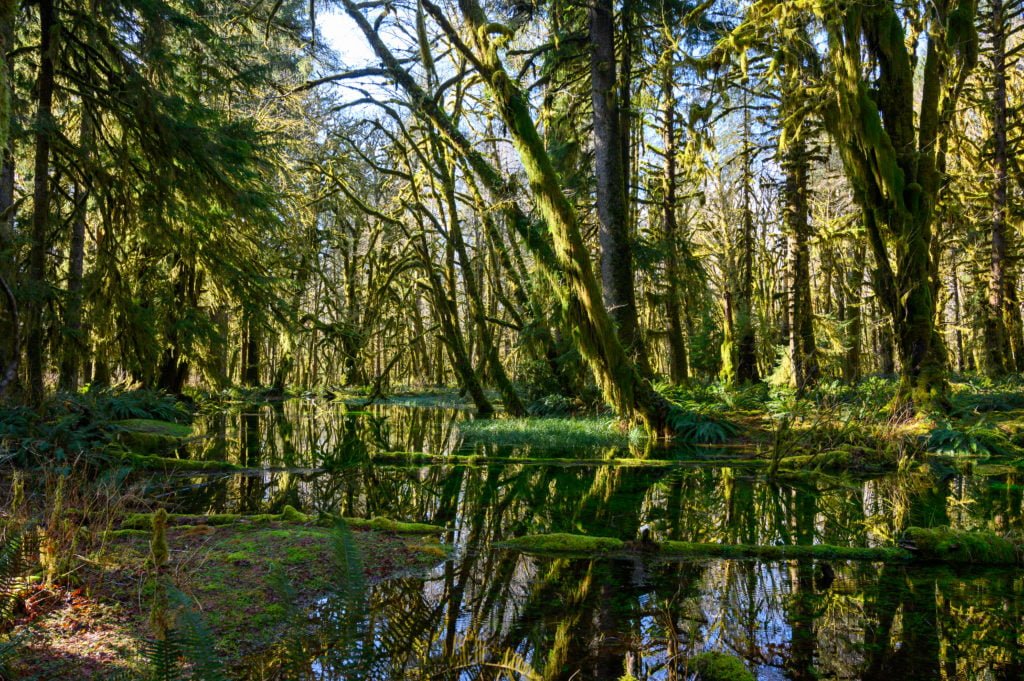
x=38, y=292
x=489, y=349
x=567, y=265
x=616, y=374
x=610, y=154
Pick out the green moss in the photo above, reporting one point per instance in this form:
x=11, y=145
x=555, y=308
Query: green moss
x=948, y=545
x=389, y=525
x=557, y=543
x=784, y=551
x=563, y=543
x=715, y=666
x=167, y=428
x=835, y=459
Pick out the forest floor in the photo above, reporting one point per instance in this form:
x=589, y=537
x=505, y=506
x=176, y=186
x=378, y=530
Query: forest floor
x=257, y=588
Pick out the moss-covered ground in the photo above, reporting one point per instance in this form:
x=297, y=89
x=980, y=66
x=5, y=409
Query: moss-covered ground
x=243, y=579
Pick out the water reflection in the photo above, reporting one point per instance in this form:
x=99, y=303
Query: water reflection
x=489, y=613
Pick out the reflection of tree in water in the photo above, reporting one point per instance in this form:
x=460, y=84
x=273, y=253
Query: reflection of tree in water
x=598, y=618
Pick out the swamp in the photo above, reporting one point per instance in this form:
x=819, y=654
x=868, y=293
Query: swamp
x=511, y=340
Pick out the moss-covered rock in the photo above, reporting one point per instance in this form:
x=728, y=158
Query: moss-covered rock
x=715, y=666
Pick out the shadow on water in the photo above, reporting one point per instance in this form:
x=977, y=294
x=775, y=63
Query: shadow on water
x=489, y=613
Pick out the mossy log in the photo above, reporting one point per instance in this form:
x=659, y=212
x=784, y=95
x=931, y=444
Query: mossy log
x=152, y=462
x=151, y=436
x=920, y=545
x=143, y=521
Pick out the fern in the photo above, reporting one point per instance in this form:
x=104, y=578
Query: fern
x=700, y=428
x=977, y=439
x=12, y=555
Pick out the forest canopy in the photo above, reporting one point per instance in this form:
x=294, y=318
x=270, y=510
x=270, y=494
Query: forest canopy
x=536, y=202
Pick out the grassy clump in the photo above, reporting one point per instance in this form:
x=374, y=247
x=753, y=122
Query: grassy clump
x=715, y=666
x=959, y=546
x=548, y=433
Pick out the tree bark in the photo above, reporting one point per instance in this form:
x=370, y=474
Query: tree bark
x=996, y=362
x=610, y=158
x=892, y=142
x=677, y=355
x=743, y=302
x=38, y=289
x=802, y=347
x=73, y=346
x=624, y=388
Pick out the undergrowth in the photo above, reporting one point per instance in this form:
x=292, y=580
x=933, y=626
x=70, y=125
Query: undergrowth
x=70, y=427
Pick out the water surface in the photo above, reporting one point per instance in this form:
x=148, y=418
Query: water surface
x=488, y=613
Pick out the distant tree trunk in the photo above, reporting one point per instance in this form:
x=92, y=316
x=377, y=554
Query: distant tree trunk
x=38, y=291
x=73, y=346
x=803, y=351
x=1014, y=323
x=7, y=265
x=610, y=157
x=743, y=304
x=958, y=331
x=886, y=349
x=855, y=326
x=995, y=343
x=677, y=356
x=489, y=349
x=251, y=352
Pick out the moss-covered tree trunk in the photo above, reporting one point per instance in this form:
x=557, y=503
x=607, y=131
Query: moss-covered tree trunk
x=677, y=355
x=594, y=331
x=745, y=341
x=802, y=347
x=995, y=338
x=488, y=347
x=610, y=156
x=73, y=345
x=892, y=143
